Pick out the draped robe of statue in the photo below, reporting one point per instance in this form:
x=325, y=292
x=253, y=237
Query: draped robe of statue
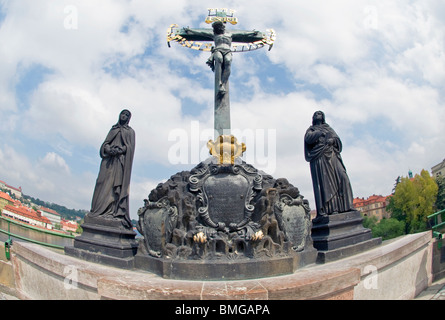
x=111, y=194
x=332, y=188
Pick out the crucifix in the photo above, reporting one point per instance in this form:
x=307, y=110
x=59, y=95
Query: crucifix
x=220, y=59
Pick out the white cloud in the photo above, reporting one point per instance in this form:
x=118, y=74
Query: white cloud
x=55, y=163
x=16, y=167
x=48, y=178
x=376, y=69
x=329, y=76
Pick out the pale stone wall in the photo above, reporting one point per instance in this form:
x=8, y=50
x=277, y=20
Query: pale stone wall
x=398, y=269
x=7, y=281
x=438, y=259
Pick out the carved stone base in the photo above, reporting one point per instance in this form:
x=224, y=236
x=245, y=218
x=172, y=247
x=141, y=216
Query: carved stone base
x=224, y=221
x=340, y=235
x=225, y=269
x=105, y=241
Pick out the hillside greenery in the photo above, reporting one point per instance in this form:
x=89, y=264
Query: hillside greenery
x=68, y=214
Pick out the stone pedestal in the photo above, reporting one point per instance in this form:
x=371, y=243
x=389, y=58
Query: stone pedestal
x=105, y=241
x=241, y=269
x=224, y=220
x=403, y=266
x=341, y=235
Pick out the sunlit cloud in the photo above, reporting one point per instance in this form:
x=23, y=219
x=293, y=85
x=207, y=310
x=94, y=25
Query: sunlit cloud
x=69, y=68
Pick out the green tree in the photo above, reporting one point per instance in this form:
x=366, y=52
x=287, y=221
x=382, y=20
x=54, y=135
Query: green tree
x=79, y=229
x=369, y=222
x=440, y=200
x=385, y=228
x=388, y=228
x=413, y=200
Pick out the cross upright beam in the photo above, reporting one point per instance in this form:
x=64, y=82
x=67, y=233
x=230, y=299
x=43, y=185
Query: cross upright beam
x=220, y=60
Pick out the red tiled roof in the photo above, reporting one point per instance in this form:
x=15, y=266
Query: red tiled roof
x=5, y=196
x=11, y=187
x=49, y=210
x=68, y=223
x=14, y=188
x=27, y=212
x=360, y=202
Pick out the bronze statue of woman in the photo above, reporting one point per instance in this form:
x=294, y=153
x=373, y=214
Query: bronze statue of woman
x=332, y=188
x=111, y=193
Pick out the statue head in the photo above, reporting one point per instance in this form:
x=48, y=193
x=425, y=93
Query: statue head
x=318, y=118
x=218, y=27
x=124, y=117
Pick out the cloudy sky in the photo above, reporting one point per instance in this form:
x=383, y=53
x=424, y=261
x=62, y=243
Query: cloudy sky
x=67, y=68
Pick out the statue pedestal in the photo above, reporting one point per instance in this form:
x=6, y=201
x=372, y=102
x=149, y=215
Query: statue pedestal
x=224, y=221
x=105, y=241
x=341, y=235
x=240, y=269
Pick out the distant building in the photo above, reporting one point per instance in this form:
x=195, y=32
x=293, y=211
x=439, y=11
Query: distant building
x=373, y=206
x=52, y=215
x=27, y=215
x=69, y=226
x=5, y=200
x=17, y=192
x=438, y=170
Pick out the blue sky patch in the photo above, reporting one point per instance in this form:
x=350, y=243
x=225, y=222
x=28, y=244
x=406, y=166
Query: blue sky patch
x=29, y=78
x=2, y=14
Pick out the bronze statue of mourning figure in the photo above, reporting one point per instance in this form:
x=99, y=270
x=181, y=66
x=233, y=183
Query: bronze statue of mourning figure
x=111, y=193
x=332, y=188
x=337, y=230
x=108, y=235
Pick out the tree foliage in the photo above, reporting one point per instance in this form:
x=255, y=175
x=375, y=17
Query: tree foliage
x=413, y=200
x=385, y=228
x=440, y=201
x=69, y=214
x=389, y=228
x=369, y=222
